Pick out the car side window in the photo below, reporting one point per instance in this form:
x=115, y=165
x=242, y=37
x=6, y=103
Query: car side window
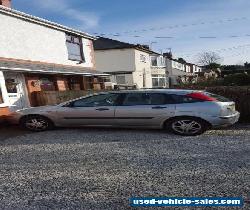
x=133, y=99
x=97, y=100
x=161, y=99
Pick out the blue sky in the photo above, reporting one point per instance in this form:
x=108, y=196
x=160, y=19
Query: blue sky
x=142, y=21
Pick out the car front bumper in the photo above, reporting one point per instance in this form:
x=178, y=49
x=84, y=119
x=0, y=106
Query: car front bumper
x=13, y=118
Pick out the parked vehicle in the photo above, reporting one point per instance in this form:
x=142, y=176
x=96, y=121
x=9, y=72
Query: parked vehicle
x=184, y=112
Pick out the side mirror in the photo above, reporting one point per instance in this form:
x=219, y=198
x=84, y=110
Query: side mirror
x=70, y=104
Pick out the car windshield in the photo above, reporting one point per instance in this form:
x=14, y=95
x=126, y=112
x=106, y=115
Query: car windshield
x=1, y=96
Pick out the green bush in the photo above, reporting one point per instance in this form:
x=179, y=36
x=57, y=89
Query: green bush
x=240, y=79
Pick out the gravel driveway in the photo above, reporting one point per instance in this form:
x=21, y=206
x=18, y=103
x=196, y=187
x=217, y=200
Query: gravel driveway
x=103, y=168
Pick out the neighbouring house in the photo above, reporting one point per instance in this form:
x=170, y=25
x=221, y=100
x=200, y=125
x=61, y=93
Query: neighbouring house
x=180, y=71
x=159, y=73
x=130, y=64
x=38, y=55
x=208, y=73
x=196, y=69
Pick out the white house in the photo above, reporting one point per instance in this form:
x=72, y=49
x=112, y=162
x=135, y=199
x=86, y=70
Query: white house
x=196, y=69
x=39, y=55
x=159, y=73
x=129, y=64
x=180, y=71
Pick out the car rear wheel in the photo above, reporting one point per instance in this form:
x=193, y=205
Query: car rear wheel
x=188, y=126
x=36, y=123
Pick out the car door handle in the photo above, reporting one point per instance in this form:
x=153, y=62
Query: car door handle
x=102, y=109
x=159, y=107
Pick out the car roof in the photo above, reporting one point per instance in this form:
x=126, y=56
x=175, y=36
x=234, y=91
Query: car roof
x=168, y=91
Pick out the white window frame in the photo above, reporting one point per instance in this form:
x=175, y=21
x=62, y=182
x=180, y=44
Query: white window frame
x=143, y=58
x=158, y=77
x=120, y=75
x=4, y=91
x=160, y=61
x=76, y=41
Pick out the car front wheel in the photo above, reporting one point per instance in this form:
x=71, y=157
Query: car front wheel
x=188, y=126
x=36, y=123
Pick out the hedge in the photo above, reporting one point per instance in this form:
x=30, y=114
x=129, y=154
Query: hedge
x=240, y=95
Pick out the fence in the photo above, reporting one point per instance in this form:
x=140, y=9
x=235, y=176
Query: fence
x=55, y=97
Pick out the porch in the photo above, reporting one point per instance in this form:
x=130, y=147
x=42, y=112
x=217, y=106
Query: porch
x=26, y=82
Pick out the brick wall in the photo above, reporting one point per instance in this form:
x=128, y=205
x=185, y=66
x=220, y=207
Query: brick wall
x=6, y=3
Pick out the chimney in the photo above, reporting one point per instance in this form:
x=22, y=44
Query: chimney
x=168, y=55
x=6, y=3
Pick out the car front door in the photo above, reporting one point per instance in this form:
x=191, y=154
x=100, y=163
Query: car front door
x=144, y=109
x=92, y=110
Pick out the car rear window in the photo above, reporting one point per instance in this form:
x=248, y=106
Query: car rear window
x=217, y=97
x=182, y=99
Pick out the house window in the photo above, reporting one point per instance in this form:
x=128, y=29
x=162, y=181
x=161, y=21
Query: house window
x=74, y=46
x=161, y=61
x=154, y=61
x=158, y=80
x=120, y=79
x=1, y=96
x=11, y=85
x=143, y=58
x=158, y=61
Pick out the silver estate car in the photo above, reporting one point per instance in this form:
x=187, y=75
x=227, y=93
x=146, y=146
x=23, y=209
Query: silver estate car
x=184, y=112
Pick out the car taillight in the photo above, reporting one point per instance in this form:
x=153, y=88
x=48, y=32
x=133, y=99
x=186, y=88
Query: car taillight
x=201, y=96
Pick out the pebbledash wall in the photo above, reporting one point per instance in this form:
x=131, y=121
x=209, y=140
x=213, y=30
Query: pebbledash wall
x=127, y=61
x=31, y=39
x=25, y=40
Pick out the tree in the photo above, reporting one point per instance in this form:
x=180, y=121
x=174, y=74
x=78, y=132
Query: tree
x=213, y=66
x=181, y=60
x=207, y=58
x=247, y=65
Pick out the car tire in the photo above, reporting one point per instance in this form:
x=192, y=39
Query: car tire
x=187, y=126
x=36, y=123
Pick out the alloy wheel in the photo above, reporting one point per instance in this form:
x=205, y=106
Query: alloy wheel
x=188, y=127
x=36, y=124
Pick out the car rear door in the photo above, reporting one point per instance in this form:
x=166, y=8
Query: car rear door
x=144, y=109
x=93, y=110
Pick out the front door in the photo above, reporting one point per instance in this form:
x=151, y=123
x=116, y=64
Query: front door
x=144, y=109
x=92, y=110
x=15, y=88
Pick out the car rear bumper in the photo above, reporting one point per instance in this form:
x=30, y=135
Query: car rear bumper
x=224, y=121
